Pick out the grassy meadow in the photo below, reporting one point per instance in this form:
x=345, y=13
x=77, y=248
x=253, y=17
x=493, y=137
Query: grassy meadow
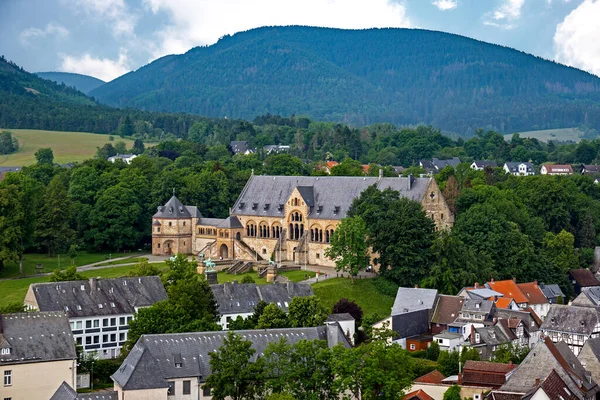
x=566, y=134
x=67, y=146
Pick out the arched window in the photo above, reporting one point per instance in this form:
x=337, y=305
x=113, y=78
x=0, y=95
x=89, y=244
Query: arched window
x=251, y=229
x=263, y=230
x=328, y=234
x=316, y=234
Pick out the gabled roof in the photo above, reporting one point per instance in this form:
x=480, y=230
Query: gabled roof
x=487, y=366
x=527, y=316
x=340, y=317
x=239, y=146
x=418, y=394
x=571, y=319
x=592, y=293
x=478, y=305
x=411, y=299
x=98, y=296
x=66, y=392
x=558, y=169
x=482, y=293
x=591, y=168
x=484, y=373
x=485, y=163
x=503, y=302
x=514, y=166
x=434, y=376
x=441, y=164
x=533, y=293
x=508, y=288
x=551, y=291
x=36, y=337
x=584, y=277
x=332, y=195
x=241, y=298
x=229, y=223
x=556, y=389
x=151, y=362
x=447, y=309
x=594, y=345
x=495, y=335
x=173, y=209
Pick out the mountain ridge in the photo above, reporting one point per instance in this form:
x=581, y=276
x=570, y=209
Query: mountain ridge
x=402, y=76
x=81, y=82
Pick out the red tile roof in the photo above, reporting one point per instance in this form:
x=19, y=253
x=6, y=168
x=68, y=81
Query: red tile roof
x=533, y=292
x=487, y=374
x=558, y=169
x=584, y=277
x=502, y=302
x=418, y=394
x=487, y=366
x=434, y=376
x=509, y=289
x=556, y=389
x=331, y=164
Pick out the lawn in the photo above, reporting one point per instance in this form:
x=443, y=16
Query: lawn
x=362, y=291
x=14, y=290
x=51, y=263
x=566, y=134
x=126, y=261
x=67, y=146
x=295, y=276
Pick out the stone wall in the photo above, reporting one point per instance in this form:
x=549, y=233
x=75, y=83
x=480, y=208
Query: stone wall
x=436, y=207
x=172, y=236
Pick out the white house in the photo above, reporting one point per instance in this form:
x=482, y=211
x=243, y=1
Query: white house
x=126, y=158
x=519, y=168
x=480, y=165
x=449, y=341
x=99, y=310
x=556, y=169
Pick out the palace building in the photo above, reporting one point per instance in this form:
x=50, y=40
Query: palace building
x=282, y=218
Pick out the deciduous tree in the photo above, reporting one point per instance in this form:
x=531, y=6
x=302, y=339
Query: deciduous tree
x=348, y=246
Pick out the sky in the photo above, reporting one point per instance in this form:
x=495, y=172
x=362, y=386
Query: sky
x=108, y=38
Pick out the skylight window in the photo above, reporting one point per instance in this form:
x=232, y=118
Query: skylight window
x=100, y=306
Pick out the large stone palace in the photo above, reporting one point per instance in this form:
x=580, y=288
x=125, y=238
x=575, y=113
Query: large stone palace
x=282, y=218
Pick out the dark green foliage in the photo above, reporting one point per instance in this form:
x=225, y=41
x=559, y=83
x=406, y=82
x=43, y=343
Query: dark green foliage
x=306, y=312
x=273, y=317
x=8, y=143
x=506, y=353
x=385, y=286
x=15, y=307
x=144, y=268
x=448, y=362
x=453, y=393
x=44, y=156
x=364, y=76
x=247, y=279
x=53, y=226
x=83, y=83
x=125, y=128
x=433, y=351
x=350, y=307
x=69, y=274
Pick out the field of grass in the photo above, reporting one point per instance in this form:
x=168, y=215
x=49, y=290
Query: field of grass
x=363, y=292
x=67, y=146
x=14, y=290
x=563, y=135
x=11, y=270
x=295, y=276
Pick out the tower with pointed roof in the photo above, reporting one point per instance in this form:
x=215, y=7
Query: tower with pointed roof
x=172, y=228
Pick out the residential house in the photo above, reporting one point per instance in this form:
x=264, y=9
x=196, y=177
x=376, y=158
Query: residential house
x=476, y=310
x=589, y=356
x=241, y=147
x=347, y=324
x=556, y=169
x=436, y=165
x=539, y=365
x=485, y=374
x=449, y=341
x=419, y=343
x=126, y=158
x=519, y=168
x=399, y=169
x=99, y=310
x=506, y=303
x=328, y=166
x=555, y=387
x=446, y=312
x=581, y=278
x=480, y=292
x=552, y=293
x=175, y=366
x=240, y=299
x=410, y=324
x=509, y=288
x=486, y=339
x=591, y=170
x=418, y=394
x=535, y=298
x=275, y=149
x=5, y=170
x=590, y=296
x=412, y=299
x=37, y=353
x=482, y=164
x=573, y=325
x=66, y=392
x=531, y=323
x=435, y=385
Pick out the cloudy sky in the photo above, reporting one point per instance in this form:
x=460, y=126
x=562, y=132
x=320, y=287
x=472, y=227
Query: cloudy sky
x=107, y=38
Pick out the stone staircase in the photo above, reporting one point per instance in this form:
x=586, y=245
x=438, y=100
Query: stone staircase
x=241, y=267
x=248, y=249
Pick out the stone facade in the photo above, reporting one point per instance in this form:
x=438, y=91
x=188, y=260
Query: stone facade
x=286, y=223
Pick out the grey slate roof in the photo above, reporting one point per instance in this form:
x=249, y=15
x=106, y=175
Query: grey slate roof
x=592, y=293
x=410, y=324
x=340, y=317
x=411, y=299
x=241, y=298
x=483, y=293
x=478, y=305
x=10, y=169
x=513, y=167
x=66, y=392
x=551, y=291
x=36, y=337
x=173, y=209
x=594, y=345
x=263, y=195
x=540, y=362
x=229, y=222
x=485, y=163
x=210, y=221
x=239, y=146
x=79, y=299
x=494, y=335
x=152, y=360
x=441, y=164
x=571, y=319
x=522, y=315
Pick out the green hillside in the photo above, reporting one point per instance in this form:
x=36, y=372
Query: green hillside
x=402, y=76
x=83, y=83
x=546, y=135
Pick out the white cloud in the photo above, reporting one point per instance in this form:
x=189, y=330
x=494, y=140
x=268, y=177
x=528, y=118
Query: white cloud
x=198, y=22
x=576, y=39
x=29, y=35
x=503, y=15
x=102, y=68
x=116, y=12
x=445, y=5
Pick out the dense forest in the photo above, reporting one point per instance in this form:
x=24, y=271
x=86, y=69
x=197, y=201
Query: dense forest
x=401, y=76
x=83, y=83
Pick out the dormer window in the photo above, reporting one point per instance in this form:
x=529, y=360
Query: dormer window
x=112, y=305
x=170, y=210
x=82, y=287
x=267, y=206
x=336, y=210
x=242, y=205
x=100, y=306
x=78, y=307
x=319, y=209
x=254, y=206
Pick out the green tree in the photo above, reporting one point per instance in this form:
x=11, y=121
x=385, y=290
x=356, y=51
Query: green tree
x=69, y=274
x=8, y=143
x=53, y=230
x=306, y=312
x=273, y=317
x=44, y=156
x=247, y=278
x=453, y=393
x=346, y=306
x=138, y=146
x=12, y=220
x=126, y=128
x=120, y=147
x=283, y=164
x=233, y=374
x=510, y=352
x=312, y=375
x=348, y=167
x=468, y=354
x=106, y=151
x=448, y=362
x=348, y=246
x=433, y=351
x=399, y=231
x=144, y=268
x=72, y=253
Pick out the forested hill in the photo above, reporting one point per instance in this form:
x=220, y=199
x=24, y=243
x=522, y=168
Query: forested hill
x=83, y=83
x=402, y=76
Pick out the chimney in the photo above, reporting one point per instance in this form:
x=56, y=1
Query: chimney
x=476, y=285
x=416, y=286
x=535, y=282
x=460, y=378
x=492, y=280
x=93, y=285
x=380, y=174
x=537, y=382
x=514, y=279
x=411, y=179
x=472, y=334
